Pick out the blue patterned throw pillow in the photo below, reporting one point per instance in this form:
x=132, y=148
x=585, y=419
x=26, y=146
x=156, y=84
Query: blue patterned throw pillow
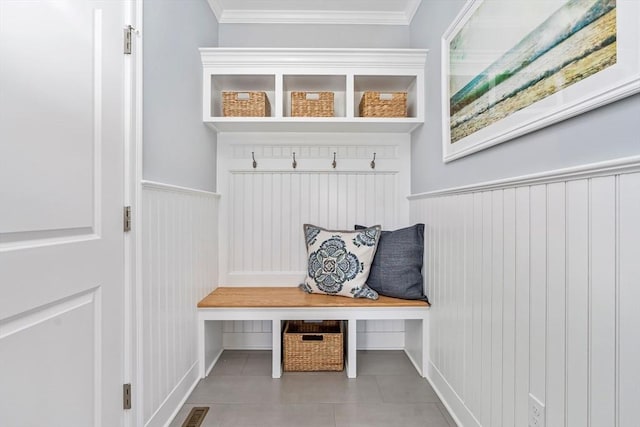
x=339, y=261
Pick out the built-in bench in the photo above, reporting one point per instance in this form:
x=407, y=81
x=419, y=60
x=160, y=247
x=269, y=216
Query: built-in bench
x=279, y=304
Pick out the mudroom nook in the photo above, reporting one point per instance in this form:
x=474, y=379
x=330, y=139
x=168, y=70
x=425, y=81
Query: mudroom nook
x=278, y=171
x=331, y=213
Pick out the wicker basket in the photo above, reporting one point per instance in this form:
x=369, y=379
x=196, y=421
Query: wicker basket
x=313, y=346
x=383, y=104
x=311, y=104
x=245, y=104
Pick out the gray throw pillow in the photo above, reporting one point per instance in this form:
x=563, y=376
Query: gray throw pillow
x=396, y=270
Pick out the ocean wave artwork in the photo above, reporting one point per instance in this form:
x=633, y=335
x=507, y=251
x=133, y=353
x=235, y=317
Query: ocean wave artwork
x=575, y=41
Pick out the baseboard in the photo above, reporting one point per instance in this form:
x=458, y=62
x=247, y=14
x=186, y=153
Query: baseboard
x=208, y=369
x=450, y=399
x=246, y=340
x=262, y=340
x=169, y=408
x=380, y=340
x=415, y=363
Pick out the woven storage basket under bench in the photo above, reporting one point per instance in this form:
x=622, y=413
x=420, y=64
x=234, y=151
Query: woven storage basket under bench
x=313, y=346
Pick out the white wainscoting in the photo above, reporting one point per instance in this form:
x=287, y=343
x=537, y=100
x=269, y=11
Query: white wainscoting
x=179, y=267
x=534, y=284
x=263, y=209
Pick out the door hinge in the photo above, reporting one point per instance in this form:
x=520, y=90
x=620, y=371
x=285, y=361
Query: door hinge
x=127, y=218
x=126, y=396
x=128, y=39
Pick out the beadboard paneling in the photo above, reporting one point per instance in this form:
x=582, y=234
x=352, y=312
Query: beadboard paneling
x=179, y=267
x=268, y=210
x=263, y=210
x=534, y=290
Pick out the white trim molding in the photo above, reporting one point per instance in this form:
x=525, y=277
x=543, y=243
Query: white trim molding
x=177, y=189
x=609, y=167
x=326, y=12
x=299, y=58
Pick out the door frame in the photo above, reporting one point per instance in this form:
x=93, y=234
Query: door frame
x=133, y=111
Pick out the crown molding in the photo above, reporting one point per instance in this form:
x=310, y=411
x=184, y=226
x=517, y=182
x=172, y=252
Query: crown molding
x=323, y=17
x=313, y=57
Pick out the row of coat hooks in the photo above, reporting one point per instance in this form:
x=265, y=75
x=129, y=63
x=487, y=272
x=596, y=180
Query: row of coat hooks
x=294, y=164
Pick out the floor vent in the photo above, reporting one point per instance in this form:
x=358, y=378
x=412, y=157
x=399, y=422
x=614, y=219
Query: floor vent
x=196, y=416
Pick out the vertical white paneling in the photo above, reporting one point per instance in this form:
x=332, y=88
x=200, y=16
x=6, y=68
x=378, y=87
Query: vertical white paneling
x=603, y=302
x=485, y=310
x=476, y=367
x=556, y=306
x=434, y=278
x=268, y=209
x=523, y=276
x=263, y=209
x=546, y=305
x=179, y=267
x=509, y=308
x=538, y=292
x=628, y=348
x=265, y=223
x=497, y=306
x=295, y=252
x=628, y=296
x=459, y=297
x=577, y=315
x=444, y=290
x=468, y=210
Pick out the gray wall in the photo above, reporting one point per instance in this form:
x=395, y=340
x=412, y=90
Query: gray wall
x=292, y=35
x=608, y=132
x=178, y=147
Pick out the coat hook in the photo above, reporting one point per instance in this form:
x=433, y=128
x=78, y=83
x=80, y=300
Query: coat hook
x=334, y=164
x=255, y=164
x=373, y=162
x=294, y=164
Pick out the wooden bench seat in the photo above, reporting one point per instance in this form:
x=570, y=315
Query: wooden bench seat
x=278, y=304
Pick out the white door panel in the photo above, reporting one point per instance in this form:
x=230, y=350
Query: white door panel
x=61, y=198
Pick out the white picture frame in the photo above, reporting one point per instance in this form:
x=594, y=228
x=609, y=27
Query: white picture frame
x=489, y=49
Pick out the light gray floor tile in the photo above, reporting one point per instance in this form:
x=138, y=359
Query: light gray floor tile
x=259, y=353
x=406, y=389
x=387, y=392
x=229, y=365
x=258, y=365
x=238, y=353
x=389, y=415
x=277, y=415
x=329, y=389
x=384, y=363
x=446, y=415
x=237, y=389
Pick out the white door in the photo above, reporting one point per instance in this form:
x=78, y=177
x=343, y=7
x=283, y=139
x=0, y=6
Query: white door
x=61, y=199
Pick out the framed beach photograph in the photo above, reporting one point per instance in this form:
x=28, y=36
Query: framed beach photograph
x=510, y=67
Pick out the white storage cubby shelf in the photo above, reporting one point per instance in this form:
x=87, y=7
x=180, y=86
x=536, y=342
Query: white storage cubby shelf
x=348, y=73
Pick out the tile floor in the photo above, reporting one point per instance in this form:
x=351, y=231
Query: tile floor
x=388, y=392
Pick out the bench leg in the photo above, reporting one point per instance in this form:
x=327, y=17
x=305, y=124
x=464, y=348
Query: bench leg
x=351, y=348
x=276, y=349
